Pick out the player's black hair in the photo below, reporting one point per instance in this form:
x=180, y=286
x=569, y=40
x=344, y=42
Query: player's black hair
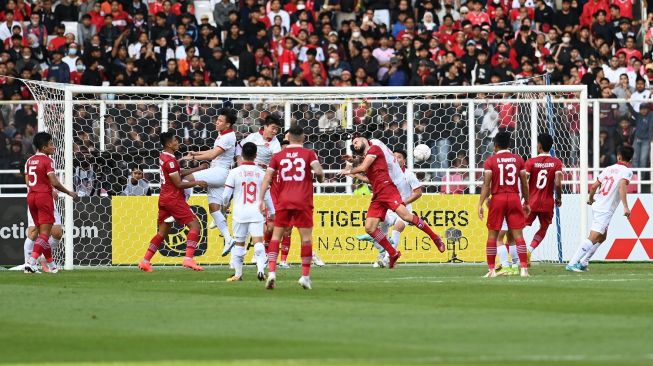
x=41, y=140
x=626, y=153
x=285, y=143
x=271, y=119
x=295, y=130
x=546, y=141
x=402, y=152
x=502, y=140
x=249, y=151
x=229, y=114
x=166, y=137
x=136, y=167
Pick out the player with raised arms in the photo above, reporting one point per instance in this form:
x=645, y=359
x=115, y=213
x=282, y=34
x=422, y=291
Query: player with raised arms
x=383, y=172
x=502, y=175
x=613, y=183
x=173, y=203
x=296, y=166
x=222, y=159
x=244, y=183
x=41, y=178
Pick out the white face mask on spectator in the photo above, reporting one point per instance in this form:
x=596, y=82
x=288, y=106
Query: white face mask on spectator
x=566, y=39
x=80, y=68
x=72, y=51
x=332, y=60
x=356, y=34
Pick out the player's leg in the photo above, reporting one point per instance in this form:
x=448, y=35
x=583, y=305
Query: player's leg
x=397, y=229
x=285, y=248
x=306, y=236
x=512, y=249
x=599, y=228
x=491, y=251
x=516, y=223
x=240, y=231
x=585, y=261
x=503, y=268
x=281, y=218
x=28, y=246
x=55, y=238
x=417, y=221
x=42, y=210
x=256, y=230
x=192, y=238
x=215, y=178
x=157, y=239
x=494, y=223
x=522, y=252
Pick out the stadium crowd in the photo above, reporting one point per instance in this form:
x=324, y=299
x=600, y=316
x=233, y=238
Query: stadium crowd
x=599, y=43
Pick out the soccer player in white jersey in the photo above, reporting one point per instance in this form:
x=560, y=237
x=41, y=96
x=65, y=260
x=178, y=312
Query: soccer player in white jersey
x=245, y=182
x=222, y=159
x=613, y=183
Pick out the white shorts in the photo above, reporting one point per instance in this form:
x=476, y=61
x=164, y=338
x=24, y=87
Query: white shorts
x=215, y=177
x=391, y=217
x=504, y=226
x=57, y=218
x=241, y=229
x=600, y=221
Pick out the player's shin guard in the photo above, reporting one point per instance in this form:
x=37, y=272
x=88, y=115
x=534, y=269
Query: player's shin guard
x=237, y=259
x=491, y=252
x=285, y=248
x=155, y=244
x=382, y=240
x=27, y=249
x=537, y=239
x=273, y=252
x=191, y=243
x=221, y=223
x=260, y=255
x=522, y=252
x=307, y=257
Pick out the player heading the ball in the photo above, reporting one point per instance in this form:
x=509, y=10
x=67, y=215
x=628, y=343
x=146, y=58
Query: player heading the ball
x=504, y=171
x=295, y=201
x=613, y=183
x=173, y=203
x=41, y=178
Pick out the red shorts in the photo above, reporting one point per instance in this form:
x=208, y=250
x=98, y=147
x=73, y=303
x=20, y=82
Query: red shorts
x=297, y=218
x=506, y=206
x=41, y=207
x=178, y=209
x=386, y=200
x=546, y=218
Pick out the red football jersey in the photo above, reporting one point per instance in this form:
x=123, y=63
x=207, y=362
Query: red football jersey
x=37, y=169
x=542, y=170
x=505, y=167
x=274, y=189
x=378, y=173
x=169, y=165
x=295, y=188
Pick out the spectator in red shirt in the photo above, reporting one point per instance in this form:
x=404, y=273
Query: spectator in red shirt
x=477, y=16
x=590, y=8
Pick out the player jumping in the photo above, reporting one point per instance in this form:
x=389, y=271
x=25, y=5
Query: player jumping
x=613, y=182
x=295, y=201
x=502, y=171
x=41, y=178
x=244, y=182
x=222, y=158
x=379, y=166
x=173, y=203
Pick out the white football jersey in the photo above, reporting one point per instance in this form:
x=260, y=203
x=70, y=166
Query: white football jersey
x=264, y=148
x=227, y=141
x=394, y=170
x=245, y=181
x=606, y=198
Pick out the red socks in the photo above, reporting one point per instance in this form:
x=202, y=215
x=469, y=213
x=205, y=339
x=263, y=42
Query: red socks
x=539, y=236
x=491, y=252
x=42, y=246
x=191, y=243
x=380, y=238
x=522, y=252
x=307, y=256
x=420, y=224
x=155, y=244
x=273, y=252
x=285, y=248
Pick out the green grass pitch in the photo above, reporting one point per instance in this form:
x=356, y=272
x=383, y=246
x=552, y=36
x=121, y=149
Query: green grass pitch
x=355, y=315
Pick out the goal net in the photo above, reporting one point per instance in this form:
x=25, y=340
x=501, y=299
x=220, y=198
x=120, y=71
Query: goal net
x=102, y=134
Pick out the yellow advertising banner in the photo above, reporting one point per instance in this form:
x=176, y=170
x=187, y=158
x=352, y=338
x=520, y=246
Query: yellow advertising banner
x=338, y=219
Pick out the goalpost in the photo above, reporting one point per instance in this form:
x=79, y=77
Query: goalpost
x=100, y=132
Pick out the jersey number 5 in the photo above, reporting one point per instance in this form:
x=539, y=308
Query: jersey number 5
x=507, y=174
x=31, y=174
x=293, y=169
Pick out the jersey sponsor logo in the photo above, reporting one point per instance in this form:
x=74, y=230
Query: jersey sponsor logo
x=175, y=244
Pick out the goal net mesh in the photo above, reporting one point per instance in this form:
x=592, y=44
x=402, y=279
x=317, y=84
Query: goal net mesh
x=112, y=133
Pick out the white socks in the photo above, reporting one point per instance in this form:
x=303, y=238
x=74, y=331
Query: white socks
x=502, y=252
x=513, y=254
x=586, y=259
x=221, y=223
x=27, y=249
x=378, y=246
x=237, y=258
x=582, y=250
x=259, y=254
x=396, y=237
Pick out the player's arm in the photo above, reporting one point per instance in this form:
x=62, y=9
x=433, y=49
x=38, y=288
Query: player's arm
x=557, y=182
x=175, y=178
x=360, y=177
x=414, y=196
x=485, y=192
x=185, y=172
x=269, y=204
x=593, y=188
x=623, y=192
x=361, y=168
x=318, y=171
x=239, y=153
x=58, y=186
x=523, y=176
x=269, y=174
x=204, y=155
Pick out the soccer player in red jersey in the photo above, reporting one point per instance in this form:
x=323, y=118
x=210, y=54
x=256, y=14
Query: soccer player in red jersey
x=274, y=194
x=385, y=195
x=41, y=178
x=503, y=173
x=545, y=175
x=172, y=202
x=295, y=201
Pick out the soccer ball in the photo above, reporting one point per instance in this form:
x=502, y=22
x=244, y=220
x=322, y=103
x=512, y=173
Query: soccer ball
x=421, y=153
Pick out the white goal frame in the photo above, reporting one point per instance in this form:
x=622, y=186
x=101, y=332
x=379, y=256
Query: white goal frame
x=302, y=93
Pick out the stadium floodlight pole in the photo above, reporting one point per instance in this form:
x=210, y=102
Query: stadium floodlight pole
x=583, y=161
x=69, y=250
